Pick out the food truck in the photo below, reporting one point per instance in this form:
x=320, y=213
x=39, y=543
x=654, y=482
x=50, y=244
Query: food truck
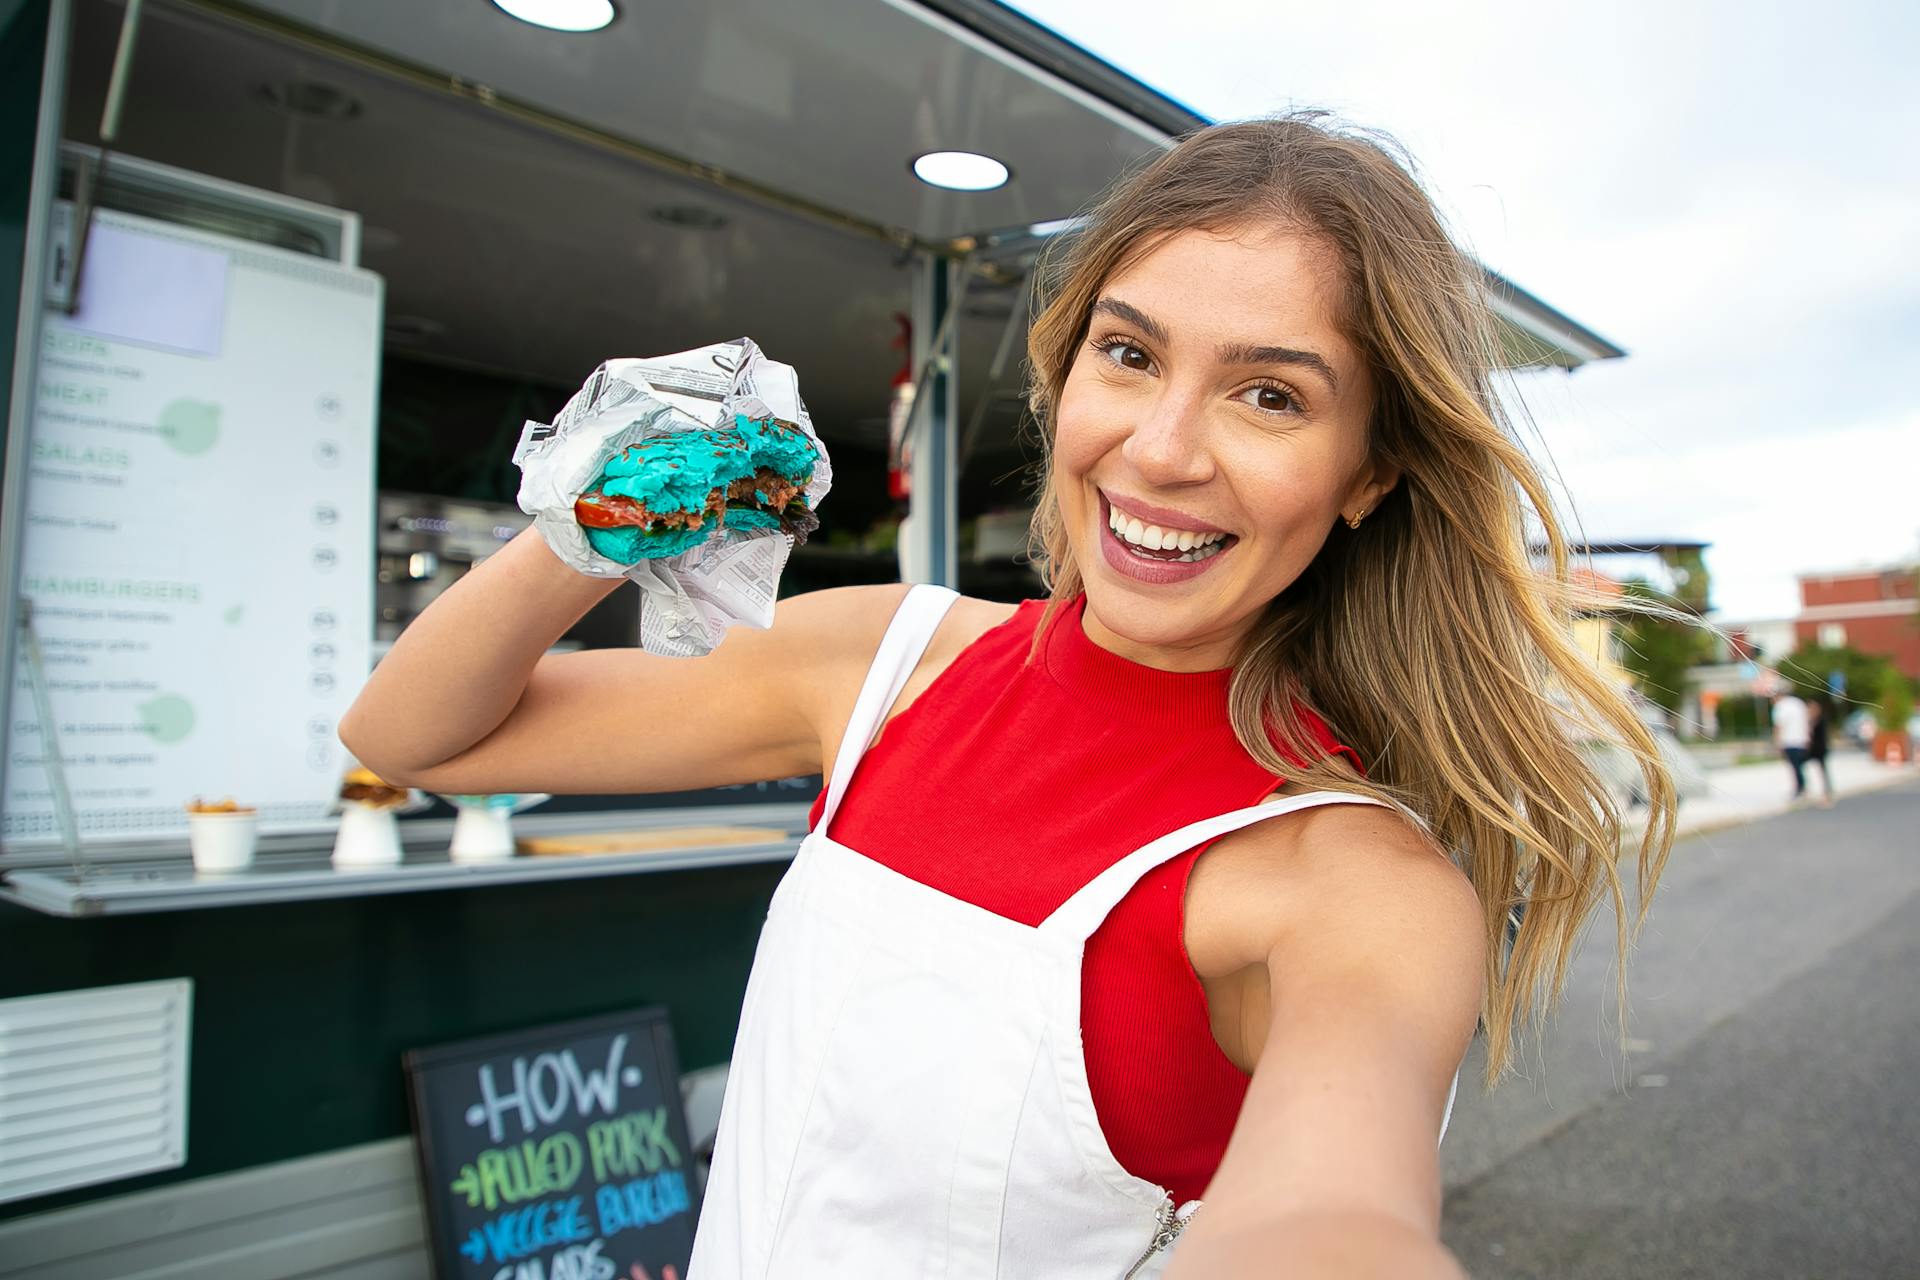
x=284, y=281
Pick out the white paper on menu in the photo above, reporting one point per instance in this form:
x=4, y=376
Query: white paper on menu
x=690, y=599
x=198, y=532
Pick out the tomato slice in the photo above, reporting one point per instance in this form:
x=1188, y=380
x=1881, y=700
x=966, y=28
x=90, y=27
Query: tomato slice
x=606, y=511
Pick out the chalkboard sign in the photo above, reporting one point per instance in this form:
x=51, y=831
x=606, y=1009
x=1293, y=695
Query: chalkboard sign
x=556, y=1153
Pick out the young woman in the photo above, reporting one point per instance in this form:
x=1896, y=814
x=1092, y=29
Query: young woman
x=1187, y=883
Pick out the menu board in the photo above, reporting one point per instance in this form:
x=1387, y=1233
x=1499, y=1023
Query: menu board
x=199, y=531
x=556, y=1153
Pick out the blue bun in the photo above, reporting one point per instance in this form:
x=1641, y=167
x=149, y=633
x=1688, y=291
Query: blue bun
x=678, y=474
x=630, y=545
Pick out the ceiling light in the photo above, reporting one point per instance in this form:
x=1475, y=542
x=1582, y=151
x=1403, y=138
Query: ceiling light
x=1045, y=230
x=961, y=171
x=561, y=15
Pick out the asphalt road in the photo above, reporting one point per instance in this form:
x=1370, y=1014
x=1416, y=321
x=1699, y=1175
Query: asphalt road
x=1764, y=1119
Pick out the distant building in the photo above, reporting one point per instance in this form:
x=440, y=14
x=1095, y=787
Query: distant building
x=1674, y=568
x=1744, y=658
x=1873, y=610
x=1763, y=640
x=1596, y=629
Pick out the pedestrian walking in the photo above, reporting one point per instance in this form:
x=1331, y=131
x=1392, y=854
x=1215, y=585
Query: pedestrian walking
x=1162, y=908
x=1817, y=742
x=1791, y=735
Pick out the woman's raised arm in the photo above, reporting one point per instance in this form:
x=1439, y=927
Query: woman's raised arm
x=469, y=702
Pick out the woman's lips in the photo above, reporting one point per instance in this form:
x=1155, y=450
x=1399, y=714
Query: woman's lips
x=1165, y=517
x=1152, y=572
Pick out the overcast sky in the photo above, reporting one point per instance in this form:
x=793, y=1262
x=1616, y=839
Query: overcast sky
x=1731, y=191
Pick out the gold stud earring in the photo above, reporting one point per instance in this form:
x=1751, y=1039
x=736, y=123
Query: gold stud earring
x=1353, y=521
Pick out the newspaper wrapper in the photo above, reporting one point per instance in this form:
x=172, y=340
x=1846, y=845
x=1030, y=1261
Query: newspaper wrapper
x=689, y=600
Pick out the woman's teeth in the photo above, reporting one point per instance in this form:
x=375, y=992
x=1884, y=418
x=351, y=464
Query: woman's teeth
x=1151, y=542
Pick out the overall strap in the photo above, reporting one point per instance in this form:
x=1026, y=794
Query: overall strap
x=908, y=635
x=1081, y=914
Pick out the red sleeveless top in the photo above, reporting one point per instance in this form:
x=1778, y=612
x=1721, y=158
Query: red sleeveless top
x=1064, y=767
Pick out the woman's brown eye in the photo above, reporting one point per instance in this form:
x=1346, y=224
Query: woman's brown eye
x=1134, y=358
x=1274, y=401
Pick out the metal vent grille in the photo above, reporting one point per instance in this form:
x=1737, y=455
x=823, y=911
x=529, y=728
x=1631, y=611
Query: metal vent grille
x=93, y=1085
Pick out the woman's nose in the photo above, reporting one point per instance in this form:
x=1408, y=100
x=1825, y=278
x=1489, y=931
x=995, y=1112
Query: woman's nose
x=1169, y=445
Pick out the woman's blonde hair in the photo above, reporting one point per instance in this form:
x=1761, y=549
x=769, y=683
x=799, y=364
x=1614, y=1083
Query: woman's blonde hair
x=1430, y=639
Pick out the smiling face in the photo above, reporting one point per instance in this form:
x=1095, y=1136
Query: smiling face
x=1217, y=415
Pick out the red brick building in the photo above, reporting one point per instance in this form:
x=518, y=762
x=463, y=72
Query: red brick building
x=1873, y=610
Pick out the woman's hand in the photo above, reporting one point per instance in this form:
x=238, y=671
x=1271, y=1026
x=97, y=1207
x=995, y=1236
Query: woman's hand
x=1370, y=946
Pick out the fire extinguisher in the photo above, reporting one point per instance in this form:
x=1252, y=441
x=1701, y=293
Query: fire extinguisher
x=899, y=412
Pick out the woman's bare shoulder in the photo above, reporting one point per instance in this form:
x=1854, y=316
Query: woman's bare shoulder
x=837, y=632
x=840, y=620
x=1263, y=882
x=849, y=622
x=968, y=620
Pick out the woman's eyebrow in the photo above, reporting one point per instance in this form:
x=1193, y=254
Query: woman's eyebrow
x=1241, y=353
x=1132, y=315
x=1230, y=353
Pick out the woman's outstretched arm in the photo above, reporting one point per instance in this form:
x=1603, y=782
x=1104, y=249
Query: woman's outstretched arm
x=1371, y=947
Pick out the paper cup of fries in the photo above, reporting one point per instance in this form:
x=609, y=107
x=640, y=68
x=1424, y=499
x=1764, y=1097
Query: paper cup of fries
x=222, y=835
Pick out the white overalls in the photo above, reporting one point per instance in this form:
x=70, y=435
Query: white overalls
x=908, y=1097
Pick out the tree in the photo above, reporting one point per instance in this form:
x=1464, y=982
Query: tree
x=1811, y=667
x=1658, y=652
x=1895, y=702
x=1692, y=584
